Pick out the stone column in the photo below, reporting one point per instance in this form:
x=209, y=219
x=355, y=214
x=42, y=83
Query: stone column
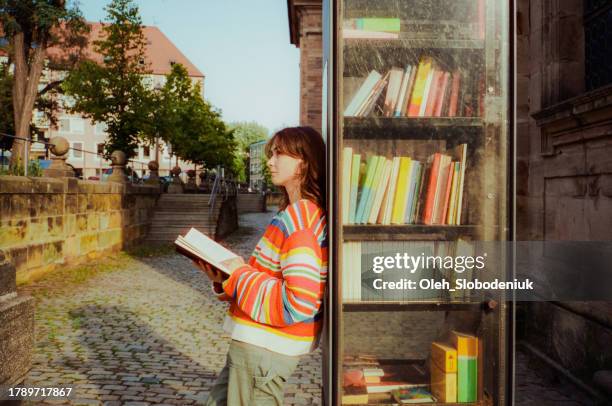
x=177, y=184
x=16, y=328
x=118, y=160
x=153, y=173
x=58, y=167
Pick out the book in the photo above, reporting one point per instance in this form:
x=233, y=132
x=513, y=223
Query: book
x=401, y=194
x=349, y=33
x=431, y=188
x=354, y=395
x=426, y=92
x=412, y=396
x=355, y=167
x=441, y=188
x=442, y=95
x=460, y=154
x=364, y=90
x=433, y=93
x=444, y=357
x=454, y=96
x=370, y=102
x=467, y=366
x=398, y=376
x=409, y=88
x=376, y=186
x=347, y=160
x=364, y=190
x=381, y=190
x=393, y=91
x=399, y=106
x=412, y=194
x=378, y=24
x=443, y=385
x=452, y=201
x=447, y=192
x=389, y=197
x=416, y=98
x=198, y=246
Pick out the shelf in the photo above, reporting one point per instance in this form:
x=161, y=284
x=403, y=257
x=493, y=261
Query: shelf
x=467, y=128
x=406, y=42
x=407, y=232
x=415, y=305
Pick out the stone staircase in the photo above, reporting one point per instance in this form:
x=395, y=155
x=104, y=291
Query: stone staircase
x=175, y=214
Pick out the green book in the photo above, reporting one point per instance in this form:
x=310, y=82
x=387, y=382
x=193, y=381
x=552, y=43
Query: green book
x=379, y=24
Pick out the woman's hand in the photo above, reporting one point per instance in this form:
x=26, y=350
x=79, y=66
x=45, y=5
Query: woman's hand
x=214, y=274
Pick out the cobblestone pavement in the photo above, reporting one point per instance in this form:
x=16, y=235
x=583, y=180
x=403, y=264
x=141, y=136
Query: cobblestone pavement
x=149, y=333
x=538, y=385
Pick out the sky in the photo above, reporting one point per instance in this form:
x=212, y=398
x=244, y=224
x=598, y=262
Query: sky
x=242, y=46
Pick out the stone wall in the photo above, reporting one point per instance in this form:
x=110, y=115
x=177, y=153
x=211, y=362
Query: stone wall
x=46, y=222
x=564, y=167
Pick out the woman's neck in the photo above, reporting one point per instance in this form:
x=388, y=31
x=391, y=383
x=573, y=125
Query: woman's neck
x=293, y=191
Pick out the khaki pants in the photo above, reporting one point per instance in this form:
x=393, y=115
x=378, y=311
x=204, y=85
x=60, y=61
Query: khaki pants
x=252, y=376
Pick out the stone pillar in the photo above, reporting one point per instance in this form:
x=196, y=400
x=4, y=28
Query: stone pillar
x=153, y=173
x=306, y=33
x=191, y=186
x=58, y=167
x=176, y=186
x=16, y=328
x=118, y=160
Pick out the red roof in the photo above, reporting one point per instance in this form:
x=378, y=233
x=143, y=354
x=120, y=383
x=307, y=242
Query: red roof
x=160, y=52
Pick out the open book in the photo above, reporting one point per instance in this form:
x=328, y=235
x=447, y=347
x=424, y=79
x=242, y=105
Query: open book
x=195, y=245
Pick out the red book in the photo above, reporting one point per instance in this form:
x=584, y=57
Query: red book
x=449, y=182
x=440, y=196
x=434, y=91
x=454, y=97
x=431, y=189
x=441, y=94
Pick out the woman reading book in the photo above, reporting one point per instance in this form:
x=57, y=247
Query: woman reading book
x=276, y=297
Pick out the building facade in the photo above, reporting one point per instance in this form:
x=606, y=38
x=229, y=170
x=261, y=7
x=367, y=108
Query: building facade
x=86, y=138
x=257, y=161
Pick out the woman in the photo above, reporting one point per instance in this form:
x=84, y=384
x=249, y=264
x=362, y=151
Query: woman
x=275, y=314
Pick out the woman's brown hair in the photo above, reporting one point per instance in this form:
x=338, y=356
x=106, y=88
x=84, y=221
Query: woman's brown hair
x=307, y=144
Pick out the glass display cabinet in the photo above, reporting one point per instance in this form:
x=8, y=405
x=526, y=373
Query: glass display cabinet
x=418, y=115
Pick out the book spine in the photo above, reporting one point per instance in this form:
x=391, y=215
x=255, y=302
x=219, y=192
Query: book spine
x=431, y=189
x=347, y=158
x=454, y=97
x=426, y=93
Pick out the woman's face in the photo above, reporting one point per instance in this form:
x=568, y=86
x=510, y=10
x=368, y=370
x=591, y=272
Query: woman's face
x=283, y=168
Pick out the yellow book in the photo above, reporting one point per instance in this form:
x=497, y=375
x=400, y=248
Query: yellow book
x=444, y=357
x=401, y=192
x=467, y=366
x=443, y=385
x=425, y=67
x=452, y=203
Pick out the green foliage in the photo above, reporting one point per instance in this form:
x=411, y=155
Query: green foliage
x=191, y=125
x=114, y=92
x=34, y=169
x=245, y=134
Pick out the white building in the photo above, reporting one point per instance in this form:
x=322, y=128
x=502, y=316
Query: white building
x=86, y=138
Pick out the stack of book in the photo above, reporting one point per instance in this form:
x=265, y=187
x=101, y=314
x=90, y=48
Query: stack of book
x=365, y=377
x=454, y=369
x=419, y=90
x=371, y=28
x=402, y=190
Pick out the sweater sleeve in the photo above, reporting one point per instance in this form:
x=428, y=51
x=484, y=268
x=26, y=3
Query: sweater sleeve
x=295, y=297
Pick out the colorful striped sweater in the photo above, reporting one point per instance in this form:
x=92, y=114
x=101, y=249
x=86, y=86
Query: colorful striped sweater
x=277, y=296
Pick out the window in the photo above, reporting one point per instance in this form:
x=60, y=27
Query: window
x=64, y=125
x=100, y=149
x=598, y=47
x=146, y=151
x=77, y=125
x=100, y=128
x=77, y=148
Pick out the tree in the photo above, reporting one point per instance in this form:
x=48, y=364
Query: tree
x=31, y=28
x=245, y=134
x=191, y=125
x=115, y=92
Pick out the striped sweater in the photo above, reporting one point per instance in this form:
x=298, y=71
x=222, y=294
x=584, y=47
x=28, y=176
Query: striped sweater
x=277, y=295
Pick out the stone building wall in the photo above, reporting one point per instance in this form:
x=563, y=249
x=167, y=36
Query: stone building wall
x=564, y=192
x=47, y=222
x=305, y=24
